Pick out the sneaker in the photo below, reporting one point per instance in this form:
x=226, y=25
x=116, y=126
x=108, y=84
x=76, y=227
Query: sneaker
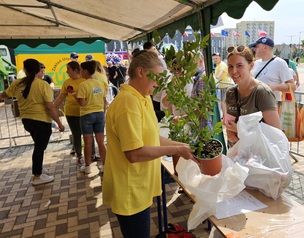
x=45, y=171
x=72, y=152
x=95, y=158
x=85, y=169
x=80, y=161
x=43, y=178
x=100, y=167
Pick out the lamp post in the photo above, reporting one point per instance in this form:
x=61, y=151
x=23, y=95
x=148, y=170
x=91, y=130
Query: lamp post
x=300, y=40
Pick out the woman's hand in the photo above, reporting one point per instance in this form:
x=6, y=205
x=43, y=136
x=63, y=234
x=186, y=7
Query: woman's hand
x=61, y=127
x=185, y=151
x=231, y=126
x=232, y=136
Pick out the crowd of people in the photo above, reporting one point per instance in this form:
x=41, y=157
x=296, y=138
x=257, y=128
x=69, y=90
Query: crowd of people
x=131, y=159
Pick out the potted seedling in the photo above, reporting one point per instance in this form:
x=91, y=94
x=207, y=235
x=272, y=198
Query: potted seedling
x=188, y=128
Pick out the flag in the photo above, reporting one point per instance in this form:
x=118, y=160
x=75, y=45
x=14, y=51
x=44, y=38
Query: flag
x=247, y=34
x=224, y=33
x=236, y=34
x=262, y=33
x=212, y=34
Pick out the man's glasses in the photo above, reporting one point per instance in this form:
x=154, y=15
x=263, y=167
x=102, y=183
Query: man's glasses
x=42, y=67
x=237, y=49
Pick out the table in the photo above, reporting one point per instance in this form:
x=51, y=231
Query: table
x=281, y=218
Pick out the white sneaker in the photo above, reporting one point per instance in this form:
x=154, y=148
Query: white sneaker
x=100, y=167
x=43, y=178
x=85, y=169
x=45, y=171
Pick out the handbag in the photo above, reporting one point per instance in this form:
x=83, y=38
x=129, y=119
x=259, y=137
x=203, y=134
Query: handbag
x=291, y=115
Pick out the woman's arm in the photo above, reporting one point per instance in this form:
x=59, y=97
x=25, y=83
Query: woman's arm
x=168, y=147
x=51, y=110
x=272, y=118
x=59, y=100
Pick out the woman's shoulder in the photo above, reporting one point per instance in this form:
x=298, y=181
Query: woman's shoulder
x=231, y=89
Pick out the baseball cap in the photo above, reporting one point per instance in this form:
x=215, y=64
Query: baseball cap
x=88, y=57
x=73, y=55
x=263, y=40
x=216, y=54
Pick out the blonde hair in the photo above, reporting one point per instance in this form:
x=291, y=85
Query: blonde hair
x=100, y=68
x=145, y=59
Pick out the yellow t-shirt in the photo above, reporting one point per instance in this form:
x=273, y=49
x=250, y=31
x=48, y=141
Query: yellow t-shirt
x=128, y=188
x=71, y=107
x=102, y=78
x=222, y=66
x=94, y=93
x=33, y=106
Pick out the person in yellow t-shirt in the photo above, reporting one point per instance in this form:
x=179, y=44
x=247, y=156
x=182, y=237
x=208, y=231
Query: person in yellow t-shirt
x=100, y=74
x=72, y=107
x=35, y=102
x=92, y=97
x=132, y=172
x=221, y=74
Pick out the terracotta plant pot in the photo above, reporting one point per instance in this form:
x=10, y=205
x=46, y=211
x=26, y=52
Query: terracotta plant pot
x=210, y=166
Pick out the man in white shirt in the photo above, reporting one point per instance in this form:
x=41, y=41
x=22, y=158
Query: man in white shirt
x=276, y=73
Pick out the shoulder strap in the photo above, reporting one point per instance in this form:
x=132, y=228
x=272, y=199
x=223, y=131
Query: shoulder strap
x=265, y=66
x=236, y=93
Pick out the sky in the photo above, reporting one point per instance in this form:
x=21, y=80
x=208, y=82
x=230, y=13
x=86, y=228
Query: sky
x=287, y=14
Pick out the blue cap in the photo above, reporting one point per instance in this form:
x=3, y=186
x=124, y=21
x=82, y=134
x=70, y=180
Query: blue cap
x=263, y=40
x=88, y=57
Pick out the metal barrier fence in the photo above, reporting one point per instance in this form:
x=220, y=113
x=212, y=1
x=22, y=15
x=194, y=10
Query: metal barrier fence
x=12, y=132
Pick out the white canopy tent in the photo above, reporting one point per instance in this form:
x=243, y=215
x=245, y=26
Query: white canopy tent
x=34, y=22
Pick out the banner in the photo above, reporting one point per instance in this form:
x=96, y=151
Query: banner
x=56, y=58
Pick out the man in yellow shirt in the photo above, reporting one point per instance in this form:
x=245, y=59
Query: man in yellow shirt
x=221, y=74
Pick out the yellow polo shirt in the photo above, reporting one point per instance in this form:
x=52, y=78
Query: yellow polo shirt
x=131, y=123
x=33, y=106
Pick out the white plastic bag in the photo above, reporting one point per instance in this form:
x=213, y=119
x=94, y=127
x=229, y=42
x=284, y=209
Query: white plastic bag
x=264, y=150
x=210, y=190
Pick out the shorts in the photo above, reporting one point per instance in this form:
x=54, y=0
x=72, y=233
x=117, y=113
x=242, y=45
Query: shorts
x=92, y=123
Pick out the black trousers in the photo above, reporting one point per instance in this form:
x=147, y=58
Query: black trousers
x=40, y=132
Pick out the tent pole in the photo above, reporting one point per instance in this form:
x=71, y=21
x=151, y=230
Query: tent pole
x=205, y=16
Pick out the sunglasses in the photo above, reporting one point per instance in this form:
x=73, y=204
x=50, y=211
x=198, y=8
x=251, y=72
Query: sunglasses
x=42, y=67
x=236, y=49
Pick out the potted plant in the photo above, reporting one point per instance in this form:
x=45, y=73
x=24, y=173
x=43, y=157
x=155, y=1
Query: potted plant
x=182, y=65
